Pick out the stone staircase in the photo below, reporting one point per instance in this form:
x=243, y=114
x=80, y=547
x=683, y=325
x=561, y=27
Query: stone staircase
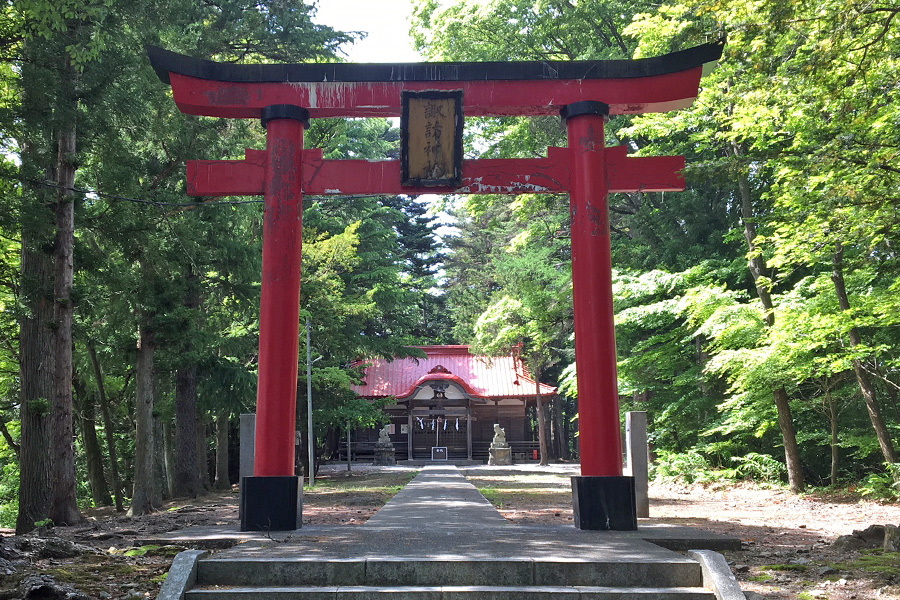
x=439, y=539
x=445, y=579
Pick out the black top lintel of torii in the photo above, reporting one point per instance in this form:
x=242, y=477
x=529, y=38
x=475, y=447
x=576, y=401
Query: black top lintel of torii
x=165, y=62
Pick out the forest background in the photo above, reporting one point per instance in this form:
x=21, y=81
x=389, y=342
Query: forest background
x=757, y=312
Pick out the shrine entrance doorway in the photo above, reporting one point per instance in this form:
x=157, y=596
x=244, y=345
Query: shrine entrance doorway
x=441, y=428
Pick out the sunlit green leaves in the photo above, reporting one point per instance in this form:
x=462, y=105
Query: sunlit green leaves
x=500, y=30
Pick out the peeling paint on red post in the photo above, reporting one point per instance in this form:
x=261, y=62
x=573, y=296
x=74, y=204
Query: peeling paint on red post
x=279, y=319
x=595, y=340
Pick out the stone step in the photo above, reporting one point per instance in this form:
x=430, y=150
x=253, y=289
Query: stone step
x=311, y=571
x=450, y=593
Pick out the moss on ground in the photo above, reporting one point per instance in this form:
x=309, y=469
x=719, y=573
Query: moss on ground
x=97, y=572
x=874, y=562
x=493, y=496
x=93, y=578
x=787, y=567
x=389, y=482
x=501, y=490
x=150, y=550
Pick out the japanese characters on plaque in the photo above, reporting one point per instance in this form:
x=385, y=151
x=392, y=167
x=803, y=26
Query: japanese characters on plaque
x=431, y=138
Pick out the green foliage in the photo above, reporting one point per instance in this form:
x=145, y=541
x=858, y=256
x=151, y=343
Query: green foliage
x=761, y=468
x=884, y=485
x=85, y=24
x=696, y=349
x=790, y=112
x=503, y=30
x=694, y=466
x=40, y=406
x=685, y=467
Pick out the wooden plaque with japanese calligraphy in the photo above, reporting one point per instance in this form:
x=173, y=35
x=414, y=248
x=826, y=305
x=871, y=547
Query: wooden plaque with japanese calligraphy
x=431, y=128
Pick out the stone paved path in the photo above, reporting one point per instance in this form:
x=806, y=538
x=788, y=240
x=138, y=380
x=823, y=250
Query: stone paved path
x=440, y=515
x=438, y=498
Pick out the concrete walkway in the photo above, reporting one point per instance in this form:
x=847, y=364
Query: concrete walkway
x=439, y=498
x=439, y=515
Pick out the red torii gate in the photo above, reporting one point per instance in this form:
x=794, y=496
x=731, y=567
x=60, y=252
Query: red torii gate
x=285, y=97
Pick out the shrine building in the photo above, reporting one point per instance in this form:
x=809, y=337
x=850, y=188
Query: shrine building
x=452, y=399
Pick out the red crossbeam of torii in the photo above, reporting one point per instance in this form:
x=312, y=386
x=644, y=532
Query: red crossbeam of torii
x=584, y=93
x=551, y=175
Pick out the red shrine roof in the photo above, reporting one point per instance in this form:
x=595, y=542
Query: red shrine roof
x=480, y=376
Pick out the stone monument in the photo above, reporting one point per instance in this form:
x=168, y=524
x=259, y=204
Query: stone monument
x=500, y=452
x=384, y=449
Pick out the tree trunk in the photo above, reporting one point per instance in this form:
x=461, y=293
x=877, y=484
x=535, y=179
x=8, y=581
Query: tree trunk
x=142, y=499
x=187, y=480
x=222, y=424
x=108, y=427
x=92, y=453
x=36, y=374
x=560, y=442
x=833, y=420
x=702, y=359
x=202, y=465
x=757, y=266
x=542, y=418
x=862, y=378
x=36, y=354
x=64, y=502
x=789, y=437
x=169, y=455
x=161, y=488
x=332, y=444
x=892, y=394
x=301, y=453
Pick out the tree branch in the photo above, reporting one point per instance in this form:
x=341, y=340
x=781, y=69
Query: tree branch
x=615, y=32
x=8, y=436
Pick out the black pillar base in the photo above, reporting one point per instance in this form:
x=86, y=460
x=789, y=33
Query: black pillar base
x=604, y=503
x=271, y=503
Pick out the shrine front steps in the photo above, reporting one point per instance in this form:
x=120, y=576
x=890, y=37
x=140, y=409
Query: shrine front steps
x=440, y=539
x=445, y=579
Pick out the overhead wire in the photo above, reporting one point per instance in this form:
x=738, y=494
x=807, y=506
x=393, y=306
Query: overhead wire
x=85, y=191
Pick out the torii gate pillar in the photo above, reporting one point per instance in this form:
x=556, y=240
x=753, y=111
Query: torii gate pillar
x=274, y=495
x=602, y=498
